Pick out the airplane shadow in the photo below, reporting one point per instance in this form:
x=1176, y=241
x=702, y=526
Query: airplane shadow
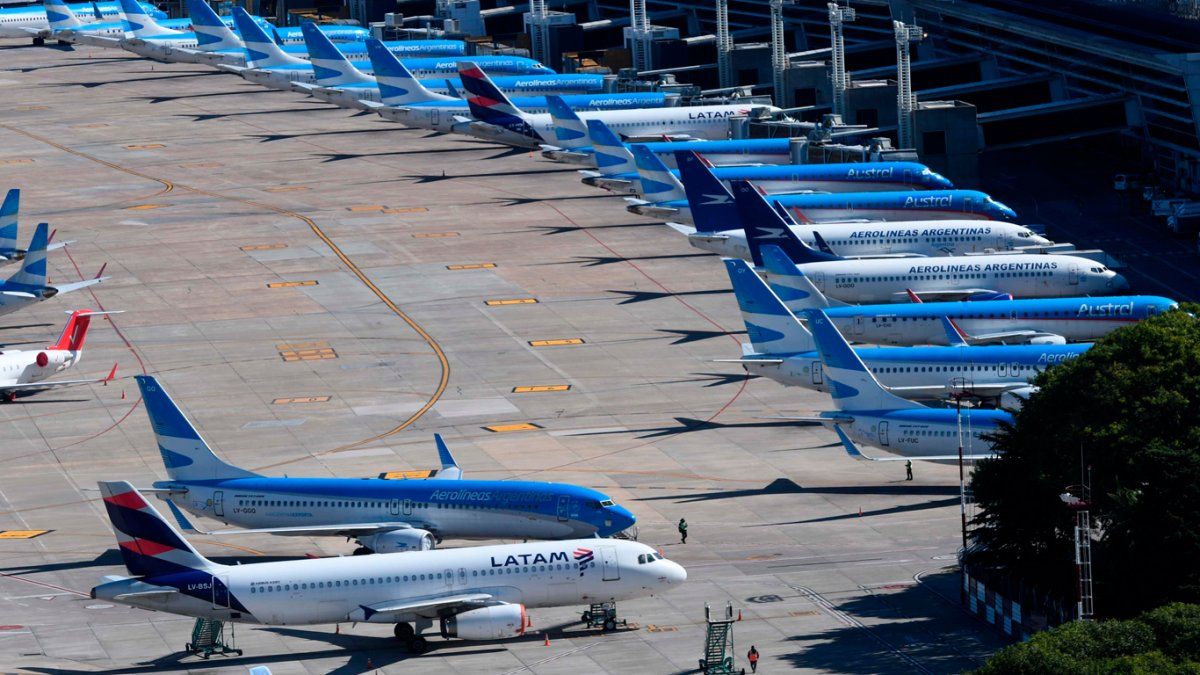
x=343, y=156
x=525, y=201
x=564, y=229
x=687, y=336
x=79, y=62
x=688, y=424
x=252, y=89
x=268, y=138
x=204, y=117
x=787, y=486
x=906, y=508
x=715, y=379
x=110, y=557
x=644, y=296
x=597, y=260
x=93, y=85
x=433, y=178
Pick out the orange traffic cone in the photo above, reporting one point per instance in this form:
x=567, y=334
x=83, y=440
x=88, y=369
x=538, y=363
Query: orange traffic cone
x=739, y=615
x=122, y=394
x=337, y=630
x=860, y=512
x=546, y=643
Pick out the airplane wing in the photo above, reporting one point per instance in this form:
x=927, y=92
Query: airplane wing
x=36, y=32
x=853, y=451
x=1012, y=337
x=948, y=295
x=425, y=608
x=829, y=419
x=771, y=362
x=55, y=384
x=875, y=256
x=340, y=529
x=75, y=286
x=980, y=389
x=659, y=137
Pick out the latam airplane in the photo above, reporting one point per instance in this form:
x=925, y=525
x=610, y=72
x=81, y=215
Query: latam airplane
x=383, y=515
x=870, y=414
x=499, y=120
x=477, y=593
x=32, y=21
x=1039, y=321
x=28, y=285
x=918, y=238
x=866, y=280
x=782, y=349
x=617, y=171
x=439, y=113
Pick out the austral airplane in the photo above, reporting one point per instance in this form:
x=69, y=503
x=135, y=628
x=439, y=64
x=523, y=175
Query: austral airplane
x=33, y=21
x=29, y=284
x=9, y=211
x=383, y=515
x=474, y=593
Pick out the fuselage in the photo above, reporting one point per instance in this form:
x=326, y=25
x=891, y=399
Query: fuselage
x=28, y=366
x=445, y=115
x=19, y=21
x=781, y=178
x=927, y=431
x=470, y=509
x=719, y=152
x=283, y=77
x=332, y=590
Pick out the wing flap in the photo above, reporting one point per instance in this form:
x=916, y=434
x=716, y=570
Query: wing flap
x=427, y=608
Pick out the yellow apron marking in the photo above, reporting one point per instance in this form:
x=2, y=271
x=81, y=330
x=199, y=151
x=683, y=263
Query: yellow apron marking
x=263, y=247
x=290, y=284
x=540, y=388
x=301, y=399
x=22, y=534
x=556, y=343
x=519, y=426
x=510, y=301
x=472, y=266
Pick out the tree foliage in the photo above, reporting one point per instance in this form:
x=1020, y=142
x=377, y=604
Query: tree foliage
x=1130, y=409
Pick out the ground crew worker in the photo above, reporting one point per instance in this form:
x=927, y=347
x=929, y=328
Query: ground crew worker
x=752, y=656
x=908, y=469
x=682, y=531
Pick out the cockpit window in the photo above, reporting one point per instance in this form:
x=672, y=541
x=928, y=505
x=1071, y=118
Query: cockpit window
x=607, y=502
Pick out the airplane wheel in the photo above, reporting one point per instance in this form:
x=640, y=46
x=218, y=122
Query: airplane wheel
x=238, y=652
x=38, y=42
x=404, y=632
x=417, y=645
x=362, y=550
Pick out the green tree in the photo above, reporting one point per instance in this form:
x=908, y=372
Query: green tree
x=1130, y=409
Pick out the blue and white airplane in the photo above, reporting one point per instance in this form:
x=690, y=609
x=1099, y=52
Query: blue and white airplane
x=28, y=285
x=498, y=119
x=1041, y=321
x=617, y=171
x=870, y=414
x=864, y=280
x=34, y=21
x=145, y=37
x=475, y=593
x=9, y=213
x=782, y=349
x=730, y=152
x=716, y=225
x=383, y=515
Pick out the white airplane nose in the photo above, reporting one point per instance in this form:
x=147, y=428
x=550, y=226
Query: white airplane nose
x=675, y=574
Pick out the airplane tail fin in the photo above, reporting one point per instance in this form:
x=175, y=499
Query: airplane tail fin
x=955, y=336
x=852, y=386
x=569, y=130
x=149, y=545
x=486, y=102
x=711, y=204
x=329, y=64
x=140, y=23
x=771, y=327
x=8, y=223
x=96, y=11
x=397, y=85
x=790, y=284
x=765, y=226
x=261, y=50
x=184, y=453
x=612, y=157
x=75, y=331
x=32, y=275
x=658, y=183
x=450, y=469
x=60, y=15
x=211, y=33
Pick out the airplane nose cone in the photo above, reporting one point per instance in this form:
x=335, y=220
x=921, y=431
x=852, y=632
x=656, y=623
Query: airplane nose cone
x=1118, y=282
x=675, y=574
x=620, y=517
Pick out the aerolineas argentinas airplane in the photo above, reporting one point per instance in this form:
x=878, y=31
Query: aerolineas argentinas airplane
x=33, y=21
x=717, y=227
x=385, y=516
x=782, y=349
x=870, y=414
x=29, y=285
x=478, y=593
x=893, y=279
x=499, y=120
x=9, y=211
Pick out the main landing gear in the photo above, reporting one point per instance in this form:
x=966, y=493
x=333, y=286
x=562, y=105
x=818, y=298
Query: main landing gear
x=362, y=550
x=405, y=633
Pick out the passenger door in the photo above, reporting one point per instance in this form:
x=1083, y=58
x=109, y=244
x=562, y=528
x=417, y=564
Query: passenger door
x=1073, y=274
x=608, y=560
x=220, y=591
x=219, y=503
x=564, y=508
x=394, y=507
x=883, y=434
x=818, y=376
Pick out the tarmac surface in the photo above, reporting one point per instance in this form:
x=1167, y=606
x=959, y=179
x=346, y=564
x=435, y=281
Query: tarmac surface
x=201, y=191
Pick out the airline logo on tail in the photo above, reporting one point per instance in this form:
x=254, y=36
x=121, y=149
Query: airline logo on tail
x=75, y=331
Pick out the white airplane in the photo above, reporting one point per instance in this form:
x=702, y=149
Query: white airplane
x=478, y=593
x=9, y=251
x=873, y=280
x=22, y=371
x=35, y=21
x=67, y=26
x=29, y=285
x=499, y=120
x=147, y=38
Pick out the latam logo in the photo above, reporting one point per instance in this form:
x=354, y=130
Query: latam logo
x=584, y=556
x=533, y=559
x=715, y=114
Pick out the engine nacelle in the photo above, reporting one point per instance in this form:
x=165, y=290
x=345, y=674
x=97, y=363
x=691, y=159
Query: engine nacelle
x=41, y=359
x=1048, y=340
x=398, y=541
x=1014, y=399
x=495, y=622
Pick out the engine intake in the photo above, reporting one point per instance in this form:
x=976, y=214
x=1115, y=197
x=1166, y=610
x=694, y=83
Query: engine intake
x=398, y=541
x=495, y=622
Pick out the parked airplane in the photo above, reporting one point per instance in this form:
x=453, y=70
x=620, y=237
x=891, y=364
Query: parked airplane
x=22, y=371
x=9, y=211
x=29, y=285
x=732, y=152
x=32, y=21
x=867, y=280
x=336, y=73
x=498, y=119
x=384, y=516
x=612, y=157
x=782, y=349
x=917, y=238
x=92, y=29
x=872, y=415
x=477, y=593
x=147, y=38
x=1001, y=321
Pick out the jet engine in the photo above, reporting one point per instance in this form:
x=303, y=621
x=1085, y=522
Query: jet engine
x=1014, y=399
x=42, y=359
x=398, y=541
x=1048, y=340
x=495, y=622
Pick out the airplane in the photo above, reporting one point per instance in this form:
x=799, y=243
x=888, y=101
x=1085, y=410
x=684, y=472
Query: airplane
x=440, y=112
x=33, y=21
x=23, y=371
x=716, y=226
x=499, y=120
x=870, y=414
x=28, y=285
x=730, y=152
x=867, y=280
x=1040, y=321
x=383, y=515
x=475, y=593
x=66, y=26
x=149, y=39
x=667, y=199
x=9, y=251
x=770, y=178
x=782, y=349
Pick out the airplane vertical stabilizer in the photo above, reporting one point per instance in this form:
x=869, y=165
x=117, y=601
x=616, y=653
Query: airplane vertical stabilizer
x=852, y=386
x=770, y=326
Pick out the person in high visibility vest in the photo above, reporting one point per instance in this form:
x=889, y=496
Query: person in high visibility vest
x=752, y=656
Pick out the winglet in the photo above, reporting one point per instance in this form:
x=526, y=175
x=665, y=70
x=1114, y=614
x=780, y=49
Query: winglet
x=112, y=374
x=954, y=335
x=450, y=469
x=101, y=272
x=822, y=245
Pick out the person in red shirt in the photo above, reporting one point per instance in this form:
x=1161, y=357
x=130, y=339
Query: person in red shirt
x=752, y=655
